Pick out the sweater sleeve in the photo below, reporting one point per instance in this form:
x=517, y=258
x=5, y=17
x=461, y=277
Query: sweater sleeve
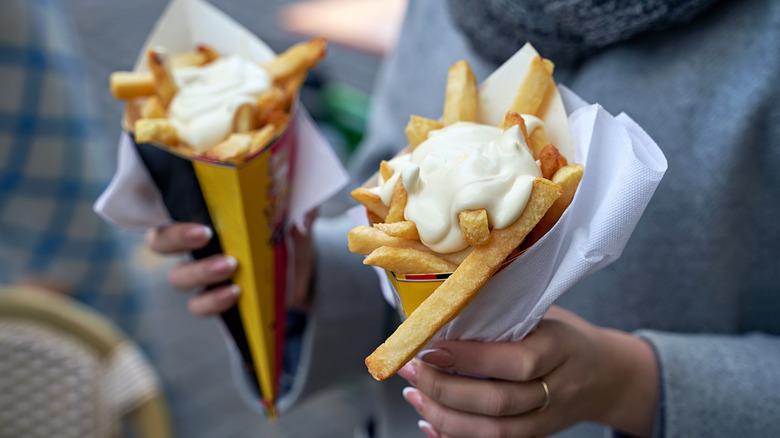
x=712, y=385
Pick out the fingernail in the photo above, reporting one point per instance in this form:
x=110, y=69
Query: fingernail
x=427, y=429
x=230, y=292
x=199, y=233
x=224, y=265
x=409, y=372
x=437, y=357
x=413, y=397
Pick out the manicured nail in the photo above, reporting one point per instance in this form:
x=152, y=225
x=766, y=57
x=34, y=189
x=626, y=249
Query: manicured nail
x=409, y=372
x=413, y=397
x=199, y=233
x=427, y=429
x=229, y=293
x=437, y=357
x=223, y=265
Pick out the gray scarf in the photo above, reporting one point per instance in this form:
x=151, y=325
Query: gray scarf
x=564, y=30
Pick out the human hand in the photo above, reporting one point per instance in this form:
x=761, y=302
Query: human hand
x=196, y=274
x=199, y=274
x=591, y=373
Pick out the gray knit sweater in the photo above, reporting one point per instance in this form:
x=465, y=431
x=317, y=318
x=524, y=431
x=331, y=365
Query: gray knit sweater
x=700, y=277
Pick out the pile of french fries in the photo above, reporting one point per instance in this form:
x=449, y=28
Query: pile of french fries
x=393, y=243
x=149, y=94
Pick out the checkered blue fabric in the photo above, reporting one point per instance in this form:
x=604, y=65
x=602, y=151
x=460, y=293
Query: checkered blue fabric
x=54, y=161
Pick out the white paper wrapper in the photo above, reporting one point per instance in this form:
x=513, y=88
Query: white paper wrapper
x=623, y=167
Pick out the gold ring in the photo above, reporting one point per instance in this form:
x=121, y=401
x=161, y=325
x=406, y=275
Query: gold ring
x=546, y=396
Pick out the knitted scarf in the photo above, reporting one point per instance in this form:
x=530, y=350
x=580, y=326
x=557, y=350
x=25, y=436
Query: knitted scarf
x=564, y=30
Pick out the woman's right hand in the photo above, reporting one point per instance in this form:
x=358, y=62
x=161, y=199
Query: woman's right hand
x=196, y=274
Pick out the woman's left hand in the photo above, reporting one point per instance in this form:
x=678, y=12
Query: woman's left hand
x=565, y=372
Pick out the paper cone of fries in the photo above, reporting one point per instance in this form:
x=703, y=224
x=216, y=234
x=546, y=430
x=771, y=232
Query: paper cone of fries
x=248, y=192
x=498, y=291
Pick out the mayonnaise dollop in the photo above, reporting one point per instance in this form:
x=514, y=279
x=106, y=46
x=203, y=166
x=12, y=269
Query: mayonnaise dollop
x=463, y=166
x=202, y=110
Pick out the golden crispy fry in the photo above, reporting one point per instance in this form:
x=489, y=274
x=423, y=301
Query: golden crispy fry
x=550, y=160
x=531, y=93
x=418, y=128
x=292, y=86
x=261, y=138
x=408, y=261
x=267, y=102
x=279, y=120
x=232, y=150
x=202, y=55
x=165, y=86
x=568, y=178
x=460, y=99
x=364, y=240
x=244, y=118
x=129, y=84
x=385, y=171
x=397, y=203
x=474, y=226
x=449, y=299
x=511, y=119
x=296, y=59
x=373, y=218
x=187, y=59
x=371, y=201
x=156, y=131
x=209, y=53
x=151, y=109
x=403, y=229
x=537, y=140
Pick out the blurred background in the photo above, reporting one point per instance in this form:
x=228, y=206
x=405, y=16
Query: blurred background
x=189, y=353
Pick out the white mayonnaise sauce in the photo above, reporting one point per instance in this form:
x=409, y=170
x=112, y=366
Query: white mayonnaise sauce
x=202, y=110
x=463, y=166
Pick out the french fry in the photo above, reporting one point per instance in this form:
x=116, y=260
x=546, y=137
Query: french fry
x=296, y=59
x=385, y=171
x=460, y=288
x=244, y=118
x=202, y=55
x=550, y=160
x=232, y=150
x=152, y=109
x=261, y=138
x=364, y=240
x=531, y=93
x=408, y=261
x=418, y=128
x=165, y=85
x=371, y=201
x=267, y=102
x=292, y=86
x=156, y=131
x=271, y=107
x=511, y=119
x=568, y=178
x=188, y=59
x=130, y=84
x=537, y=140
x=403, y=229
x=209, y=53
x=474, y=226
x=460, y=99
x=397, y=203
